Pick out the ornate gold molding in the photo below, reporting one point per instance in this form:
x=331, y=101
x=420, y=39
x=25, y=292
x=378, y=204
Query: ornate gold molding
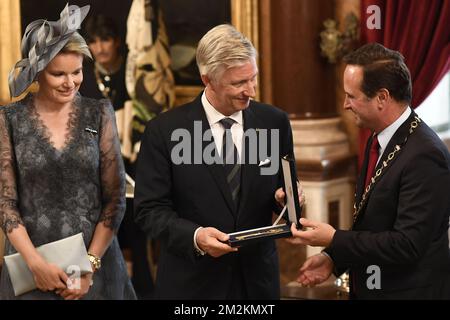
x=244, y=16
x=333, y=43
x=9, y=43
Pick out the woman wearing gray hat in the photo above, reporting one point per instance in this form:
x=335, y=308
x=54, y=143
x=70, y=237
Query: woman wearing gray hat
x=61, y=171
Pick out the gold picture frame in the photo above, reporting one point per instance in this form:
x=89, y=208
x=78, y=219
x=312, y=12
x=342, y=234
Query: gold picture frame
x=244, y=16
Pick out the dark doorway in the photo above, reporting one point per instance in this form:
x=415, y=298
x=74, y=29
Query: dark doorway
x=50, y=9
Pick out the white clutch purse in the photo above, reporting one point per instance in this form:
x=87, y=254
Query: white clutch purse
x=69, y=254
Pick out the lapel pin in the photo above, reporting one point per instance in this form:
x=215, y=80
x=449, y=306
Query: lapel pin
x=91, y=131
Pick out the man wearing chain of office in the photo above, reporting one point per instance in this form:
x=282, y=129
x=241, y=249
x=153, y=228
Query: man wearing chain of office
x=402, y=206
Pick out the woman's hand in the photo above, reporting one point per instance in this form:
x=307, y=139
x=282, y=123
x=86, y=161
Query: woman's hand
x=47, y=276
x=76, y=290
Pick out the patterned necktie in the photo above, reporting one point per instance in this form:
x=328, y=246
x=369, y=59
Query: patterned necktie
x=373, y=158
x=230, y=158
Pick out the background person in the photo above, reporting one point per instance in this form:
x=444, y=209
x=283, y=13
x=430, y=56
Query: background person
x=105, y=78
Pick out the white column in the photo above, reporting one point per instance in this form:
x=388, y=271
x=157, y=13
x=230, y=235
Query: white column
x=323, y=141
x=319, y=194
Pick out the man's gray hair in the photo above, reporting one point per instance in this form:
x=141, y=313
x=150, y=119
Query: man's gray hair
x=223, y=47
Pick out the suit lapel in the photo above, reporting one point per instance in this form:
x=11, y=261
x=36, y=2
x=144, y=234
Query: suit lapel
x=216, y=170
x=398, y=139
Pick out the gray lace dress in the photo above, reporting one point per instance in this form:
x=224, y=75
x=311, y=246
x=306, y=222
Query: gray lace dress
x=56, y=193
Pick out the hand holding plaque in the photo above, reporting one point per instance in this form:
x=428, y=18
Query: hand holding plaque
x=292, y=207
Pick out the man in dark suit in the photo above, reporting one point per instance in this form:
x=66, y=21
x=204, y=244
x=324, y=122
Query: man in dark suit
x=190, y=200
x=398, y=247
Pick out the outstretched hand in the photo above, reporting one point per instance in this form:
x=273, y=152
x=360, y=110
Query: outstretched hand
x=315, y=270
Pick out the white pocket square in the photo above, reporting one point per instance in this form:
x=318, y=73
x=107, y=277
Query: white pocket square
x=264, y=162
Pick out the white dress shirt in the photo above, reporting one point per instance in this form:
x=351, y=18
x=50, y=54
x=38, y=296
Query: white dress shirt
x=214, y=117
x=237, y=131
x=386, y=135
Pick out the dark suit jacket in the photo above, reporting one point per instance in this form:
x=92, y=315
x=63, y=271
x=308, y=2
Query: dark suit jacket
x=171, y=201
x=402, y=228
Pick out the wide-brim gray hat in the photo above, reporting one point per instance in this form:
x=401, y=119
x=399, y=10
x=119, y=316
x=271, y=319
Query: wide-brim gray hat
x=41, y=42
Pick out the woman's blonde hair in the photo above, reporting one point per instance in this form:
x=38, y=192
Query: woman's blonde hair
x=221, y=48
x=77, y=44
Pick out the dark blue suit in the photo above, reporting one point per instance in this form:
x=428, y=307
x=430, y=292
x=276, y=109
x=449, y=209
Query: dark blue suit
x=402, y=226
x=171, y=201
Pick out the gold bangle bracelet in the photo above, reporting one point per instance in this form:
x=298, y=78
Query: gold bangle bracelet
x=96, y=262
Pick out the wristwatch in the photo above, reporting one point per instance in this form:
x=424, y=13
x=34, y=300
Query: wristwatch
x=96, y=262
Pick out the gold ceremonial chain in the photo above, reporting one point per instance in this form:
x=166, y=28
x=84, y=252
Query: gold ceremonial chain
x=268, y=232
x=414, y=124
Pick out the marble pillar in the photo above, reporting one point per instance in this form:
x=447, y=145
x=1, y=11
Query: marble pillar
x=296, y=78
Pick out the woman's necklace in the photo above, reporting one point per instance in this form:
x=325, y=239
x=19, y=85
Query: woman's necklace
x=103, y=79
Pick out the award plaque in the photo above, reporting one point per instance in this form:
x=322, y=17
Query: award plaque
x=292, y=207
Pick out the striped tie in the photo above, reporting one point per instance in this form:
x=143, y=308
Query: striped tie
x=230, y=159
